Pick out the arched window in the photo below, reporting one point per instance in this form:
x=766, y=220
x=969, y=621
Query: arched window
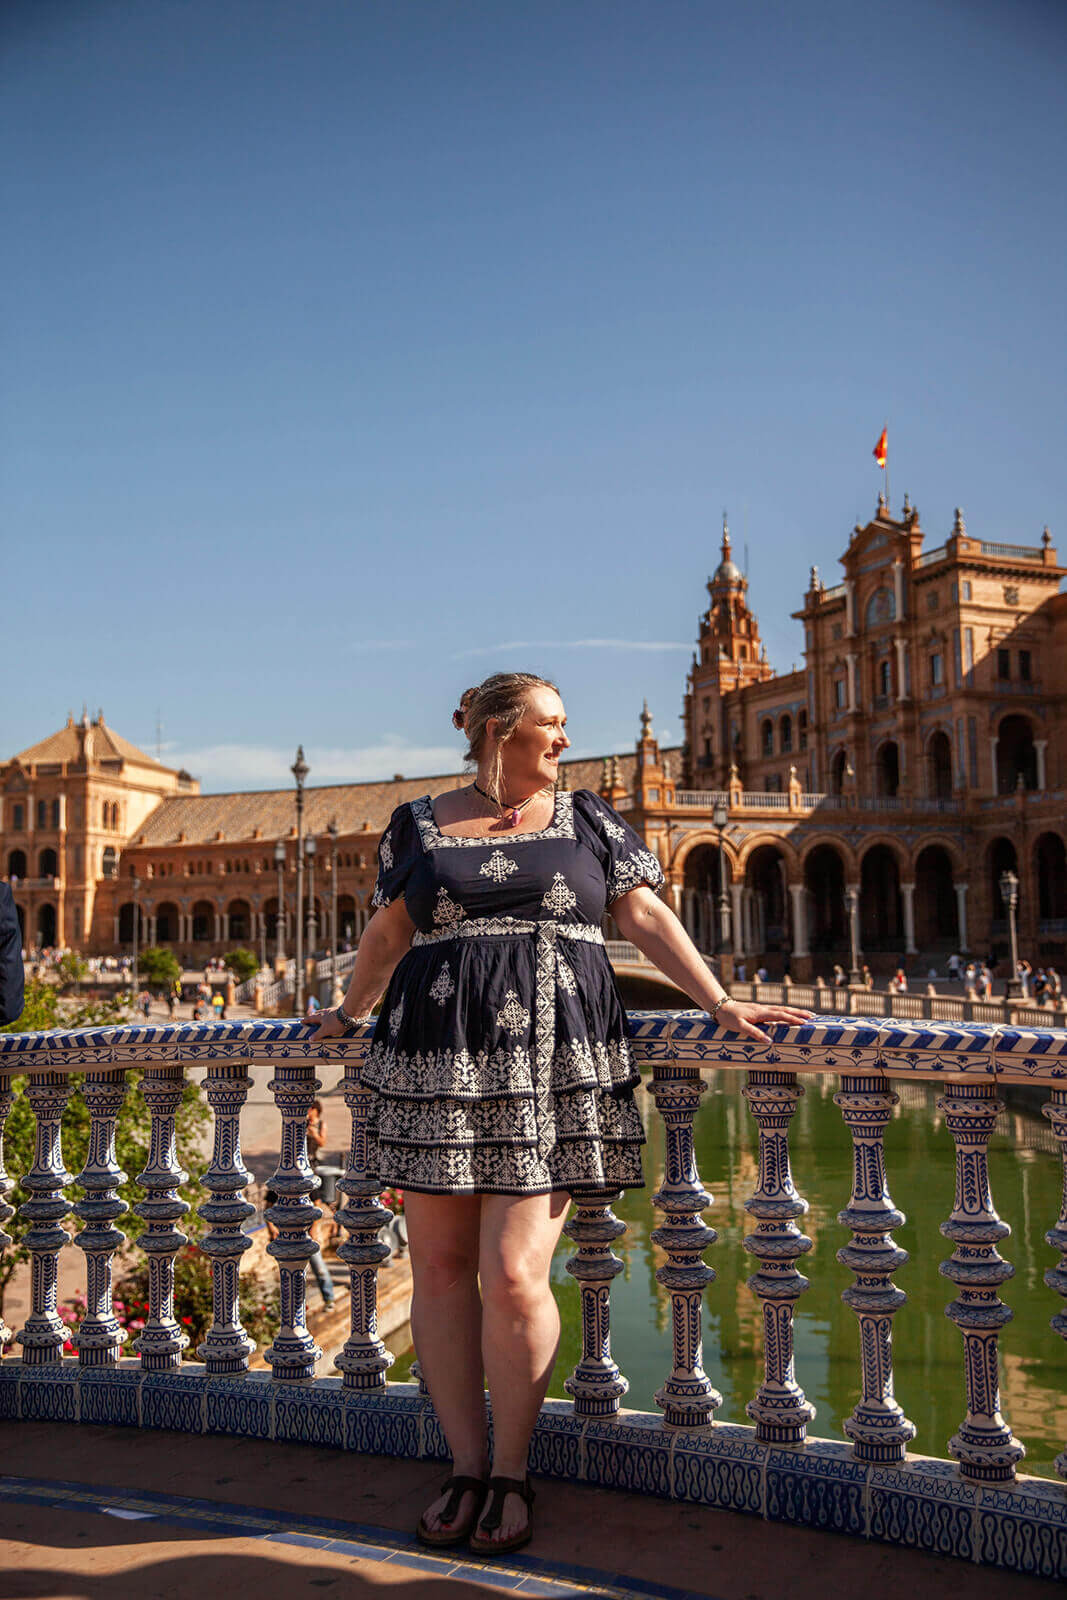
x=785, y=734
x=16, y=864
x=767, y=737
x=802, y=730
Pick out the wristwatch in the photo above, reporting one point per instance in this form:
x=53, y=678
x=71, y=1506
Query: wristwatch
x=349, y=1024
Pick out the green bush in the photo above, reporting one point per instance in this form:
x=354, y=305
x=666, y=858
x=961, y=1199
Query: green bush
x=244, y=964
x=158, y=967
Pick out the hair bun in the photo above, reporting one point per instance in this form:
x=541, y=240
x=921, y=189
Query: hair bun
x=457, y=720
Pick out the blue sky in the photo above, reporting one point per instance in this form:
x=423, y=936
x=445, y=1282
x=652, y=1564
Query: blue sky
x=353, y=351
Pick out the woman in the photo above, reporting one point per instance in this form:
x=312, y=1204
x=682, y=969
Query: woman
x=503, y=1073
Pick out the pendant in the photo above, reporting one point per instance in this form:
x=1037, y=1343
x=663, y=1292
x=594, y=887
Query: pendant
x=513, y=817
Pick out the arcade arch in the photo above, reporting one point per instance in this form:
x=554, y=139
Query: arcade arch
x=881, y=914
x=239, y=920
x=46, y=926
x=48, y=864
x=1050, y=871
x=887, y=768
x=168, y=923
x=1000, y=857
x=1016, y=754
x=16, y=864
x=764, y=913
x=700, y=897
x=203, y=917
x=936, y=911
x=824, y=881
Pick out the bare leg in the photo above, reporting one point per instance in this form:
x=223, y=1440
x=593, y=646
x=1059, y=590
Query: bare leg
x=520, y=1326
x=446, y=1321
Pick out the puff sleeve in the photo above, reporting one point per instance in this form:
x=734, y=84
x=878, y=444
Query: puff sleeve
x=398, y=851
x=627, y=860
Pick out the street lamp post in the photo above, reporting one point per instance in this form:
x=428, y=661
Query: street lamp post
x=311, y=848
x=279, y=862
x=300, y=770
x=333, y=830
x=1009, y=893
x=136, y=930
x=852, y=904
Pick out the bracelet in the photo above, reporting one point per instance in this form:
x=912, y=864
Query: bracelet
x=349, y=1024
x=721, y=1001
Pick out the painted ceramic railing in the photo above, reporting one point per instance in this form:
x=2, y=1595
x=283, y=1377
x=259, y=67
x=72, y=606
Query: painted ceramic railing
x=974, y=1506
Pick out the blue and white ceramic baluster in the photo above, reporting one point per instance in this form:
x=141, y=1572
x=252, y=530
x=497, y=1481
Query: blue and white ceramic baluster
x=779, y=1408
x=6, y=1185
x=293, y=1353
x=984, y=1445
x=364, y=1361
x=878, y=1428
x=688, y=1398
x=226, y=1346
x=161, y=1340
x=596, y=1383
x=44, y=1335
x=100, y=1338
x=1055, y=1110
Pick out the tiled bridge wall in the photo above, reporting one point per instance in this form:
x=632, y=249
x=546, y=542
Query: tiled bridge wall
x=975, y=1506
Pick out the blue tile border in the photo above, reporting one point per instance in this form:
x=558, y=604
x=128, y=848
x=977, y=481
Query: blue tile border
x=922, y=1504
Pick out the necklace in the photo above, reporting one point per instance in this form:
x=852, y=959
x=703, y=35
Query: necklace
x=509, y=814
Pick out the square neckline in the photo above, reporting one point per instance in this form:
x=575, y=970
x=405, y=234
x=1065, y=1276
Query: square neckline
x=561, y=825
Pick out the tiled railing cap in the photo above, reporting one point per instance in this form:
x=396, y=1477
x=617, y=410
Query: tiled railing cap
x=826, y=1044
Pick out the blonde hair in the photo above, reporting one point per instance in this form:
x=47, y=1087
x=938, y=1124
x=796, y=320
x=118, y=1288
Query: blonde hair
x=503, y=698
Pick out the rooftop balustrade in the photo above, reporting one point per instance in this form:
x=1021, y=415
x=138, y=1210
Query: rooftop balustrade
x=973, y=1504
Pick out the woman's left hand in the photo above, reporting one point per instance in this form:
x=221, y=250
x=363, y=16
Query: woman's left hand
x=742, y=1016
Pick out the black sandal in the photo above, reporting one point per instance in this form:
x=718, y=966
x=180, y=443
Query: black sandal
x=455, y=1488
x=498, y=1488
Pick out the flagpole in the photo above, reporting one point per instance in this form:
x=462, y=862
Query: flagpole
x=885, y=430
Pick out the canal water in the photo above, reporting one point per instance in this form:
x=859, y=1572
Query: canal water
x=1026, y=1181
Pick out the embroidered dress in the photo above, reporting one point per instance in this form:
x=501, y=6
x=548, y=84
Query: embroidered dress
x=500, y=1059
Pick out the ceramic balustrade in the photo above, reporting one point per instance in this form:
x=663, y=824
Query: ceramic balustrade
x=867, y=1054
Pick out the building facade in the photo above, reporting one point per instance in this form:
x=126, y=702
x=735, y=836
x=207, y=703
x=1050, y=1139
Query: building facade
x=862, y=808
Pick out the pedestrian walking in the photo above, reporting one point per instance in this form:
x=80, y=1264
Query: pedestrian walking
x=500, y=1073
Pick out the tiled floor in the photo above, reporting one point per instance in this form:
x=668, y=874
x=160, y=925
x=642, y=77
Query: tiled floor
x=92, y=1512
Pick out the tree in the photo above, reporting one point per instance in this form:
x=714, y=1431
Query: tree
x=158, y=967
x=242, y=963
x=71, y=969
x=44, y=1009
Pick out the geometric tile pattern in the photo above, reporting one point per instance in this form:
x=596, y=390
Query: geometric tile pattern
x=871, y=1044
x=922, y=1503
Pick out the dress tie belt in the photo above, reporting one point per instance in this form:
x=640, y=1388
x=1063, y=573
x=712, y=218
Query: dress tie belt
x=545, y=979
x=480, y=927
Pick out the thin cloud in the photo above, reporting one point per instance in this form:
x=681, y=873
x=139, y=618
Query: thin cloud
x=262, y=766
x=571, y=644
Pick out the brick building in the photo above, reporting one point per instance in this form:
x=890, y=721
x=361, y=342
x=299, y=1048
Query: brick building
x=919, y=753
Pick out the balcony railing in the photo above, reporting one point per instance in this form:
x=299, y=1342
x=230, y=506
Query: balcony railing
x=1013, y=552
x=760, y=800
x=866, y=1485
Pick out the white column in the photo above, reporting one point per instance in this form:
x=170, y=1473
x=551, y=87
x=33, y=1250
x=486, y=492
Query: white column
x=116, y=930
x=901, y=680
x=798, y=894
x=993, y=764
x=225, y=927
x=907, y=890
x=850, y=661
x=676, y=902
x=961, y=913
x=898, y=585
x=152, y=928
x=218, y=927
x=737, y=895
x=1040, y=746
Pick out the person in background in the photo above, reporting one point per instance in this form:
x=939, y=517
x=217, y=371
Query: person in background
x=12, y=973
x=218, y=1005
x=868, y=977
x=316, y=1132
x=1024, y=972
x=317, y=1262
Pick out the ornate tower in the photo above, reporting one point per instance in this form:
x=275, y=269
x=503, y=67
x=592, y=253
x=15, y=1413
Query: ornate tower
x=729, y=656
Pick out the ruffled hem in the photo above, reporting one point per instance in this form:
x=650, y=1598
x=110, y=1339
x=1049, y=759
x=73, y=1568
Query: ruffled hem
x=588, y=1165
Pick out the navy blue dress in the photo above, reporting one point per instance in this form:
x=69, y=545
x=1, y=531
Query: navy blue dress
x=500, y=1059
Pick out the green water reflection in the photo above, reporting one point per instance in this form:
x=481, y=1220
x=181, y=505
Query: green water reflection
x=1026, y=1181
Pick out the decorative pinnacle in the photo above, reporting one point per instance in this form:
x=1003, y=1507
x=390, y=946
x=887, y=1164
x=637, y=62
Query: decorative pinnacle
x=814, y=580
x=725, y=538
x=1046, y=537
x=907, y=506
x=958, y=524
x=646, y=722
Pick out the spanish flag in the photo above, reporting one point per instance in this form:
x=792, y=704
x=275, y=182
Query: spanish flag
x=881, y=449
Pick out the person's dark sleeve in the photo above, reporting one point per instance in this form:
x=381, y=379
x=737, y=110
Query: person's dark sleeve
x=11, y=974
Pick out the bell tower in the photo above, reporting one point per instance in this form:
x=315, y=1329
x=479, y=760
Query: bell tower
x=730, y=655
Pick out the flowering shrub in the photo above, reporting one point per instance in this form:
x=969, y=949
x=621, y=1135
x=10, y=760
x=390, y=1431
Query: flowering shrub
x=258, y=1302
x=393, y=1198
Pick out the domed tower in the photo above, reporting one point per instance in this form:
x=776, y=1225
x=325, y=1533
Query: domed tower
x=729, y=656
